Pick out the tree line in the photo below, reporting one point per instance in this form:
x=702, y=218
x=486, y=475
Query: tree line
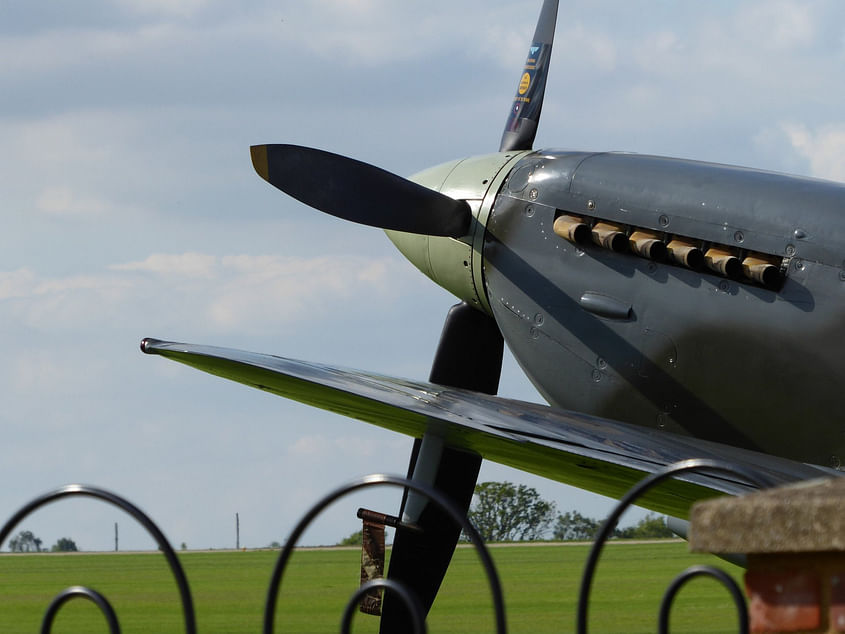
x=503, y=511
x=26, y=542
x=506, y=512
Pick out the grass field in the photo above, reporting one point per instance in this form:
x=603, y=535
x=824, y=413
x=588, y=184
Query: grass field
x=540, y=585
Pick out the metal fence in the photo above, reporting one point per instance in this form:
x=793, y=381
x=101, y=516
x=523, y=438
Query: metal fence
x=390, y=586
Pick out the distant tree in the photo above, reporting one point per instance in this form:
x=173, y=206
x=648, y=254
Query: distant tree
x=650, y=527
x=25, y=542
x=64, y=545
x=184, y=546
x=355, y=539
x=572, y=526
x=274, y=545
x=503, y=511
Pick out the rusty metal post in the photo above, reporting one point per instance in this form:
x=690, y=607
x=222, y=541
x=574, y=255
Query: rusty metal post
x=372, y=558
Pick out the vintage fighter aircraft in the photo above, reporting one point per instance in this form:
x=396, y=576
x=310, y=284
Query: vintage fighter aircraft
x=665, y=308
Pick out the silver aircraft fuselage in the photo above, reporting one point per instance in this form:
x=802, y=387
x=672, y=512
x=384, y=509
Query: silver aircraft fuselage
x=737, y=344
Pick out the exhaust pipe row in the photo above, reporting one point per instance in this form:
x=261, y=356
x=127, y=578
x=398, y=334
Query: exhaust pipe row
x=760, y=268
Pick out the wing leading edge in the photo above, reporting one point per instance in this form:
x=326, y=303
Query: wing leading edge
x=591, y=453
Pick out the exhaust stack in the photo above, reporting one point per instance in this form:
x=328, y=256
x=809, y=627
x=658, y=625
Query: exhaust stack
x=753, y=267
x=723, y=262
x=761, y=270
x=572, y=228
x=647, y=244
x=610, y=236
x=685, y=253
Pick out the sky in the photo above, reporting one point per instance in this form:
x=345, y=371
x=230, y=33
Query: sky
x=130, y=209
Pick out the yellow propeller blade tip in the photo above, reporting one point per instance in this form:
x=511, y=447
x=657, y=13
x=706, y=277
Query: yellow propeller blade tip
x=259, y=160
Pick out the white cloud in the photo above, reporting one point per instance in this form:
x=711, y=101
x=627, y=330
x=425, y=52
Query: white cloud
x=379, y=32
x=37, y=371
x=75, y=47
x=260, y=292
x=358, y=448
x=779, y=25
x=78, y=301
x=16, y=284
x=174, y=264
x=235, y=293
x=581, y=42
x=823, y=148
x=165, y=8
x=70, y=165
x=309, y=446
x=64, y=201
x=75, y=137
x=662, y=52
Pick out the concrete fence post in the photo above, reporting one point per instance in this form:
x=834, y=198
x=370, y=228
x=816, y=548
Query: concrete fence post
x=794, y=538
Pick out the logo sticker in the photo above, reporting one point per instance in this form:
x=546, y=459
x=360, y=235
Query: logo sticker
x=524, y=83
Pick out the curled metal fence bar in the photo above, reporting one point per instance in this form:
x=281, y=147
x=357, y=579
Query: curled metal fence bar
x=458, y=516
x=702, y=571
x=81, y=490
x=402, y=593
x=636, y=491
x=408, y=598
x=74, y=592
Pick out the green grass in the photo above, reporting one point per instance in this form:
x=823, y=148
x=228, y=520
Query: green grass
x=229, y=590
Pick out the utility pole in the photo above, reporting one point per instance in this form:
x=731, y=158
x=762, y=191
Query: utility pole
x=115, y=537
x=237, y=532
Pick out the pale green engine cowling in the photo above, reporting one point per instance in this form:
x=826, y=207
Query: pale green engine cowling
x=456, y=264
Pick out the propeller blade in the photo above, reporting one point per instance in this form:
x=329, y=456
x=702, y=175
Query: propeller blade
x=359, y=192
x=469, y=356
x=521, y=126
x=419, y=559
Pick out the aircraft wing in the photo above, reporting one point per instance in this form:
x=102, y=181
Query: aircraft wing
x=596, y=454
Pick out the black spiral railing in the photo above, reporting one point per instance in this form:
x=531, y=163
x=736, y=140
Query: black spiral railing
x=685, y=466
x=433, y=495
x=74, y=592
x=402, y=592
x=80, y=490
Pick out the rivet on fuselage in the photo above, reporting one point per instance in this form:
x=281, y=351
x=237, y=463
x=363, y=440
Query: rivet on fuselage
x=663, y=220
x=739, y=237
x=529, y=211
x=591, y=205
x=596, y=375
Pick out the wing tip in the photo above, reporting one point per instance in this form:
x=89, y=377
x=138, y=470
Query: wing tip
x=148, y=345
